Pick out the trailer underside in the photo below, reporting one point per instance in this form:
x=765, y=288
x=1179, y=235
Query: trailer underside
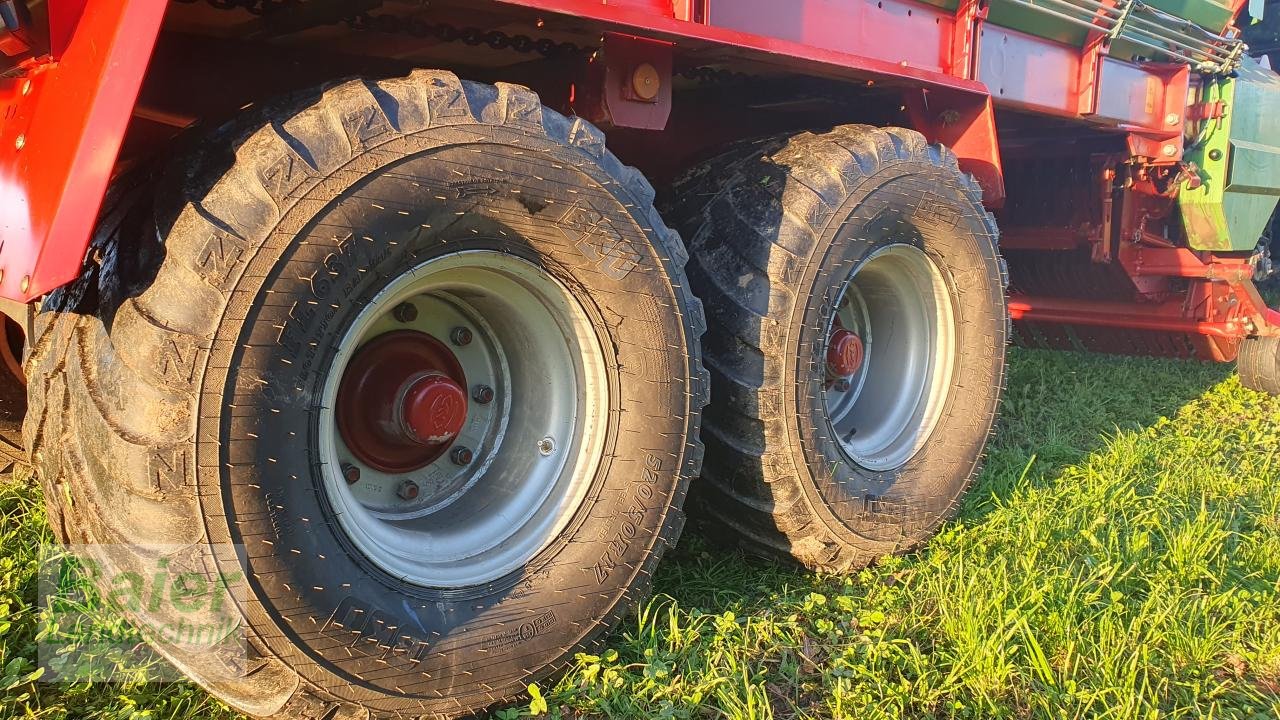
x=1047, y=125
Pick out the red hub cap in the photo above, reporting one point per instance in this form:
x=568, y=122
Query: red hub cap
x=844, y=354
x=401, y=403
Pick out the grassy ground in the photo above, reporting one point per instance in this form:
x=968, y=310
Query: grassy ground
x=1118, y=558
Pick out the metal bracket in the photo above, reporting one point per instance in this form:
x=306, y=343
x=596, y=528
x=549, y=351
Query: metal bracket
x=628, y=83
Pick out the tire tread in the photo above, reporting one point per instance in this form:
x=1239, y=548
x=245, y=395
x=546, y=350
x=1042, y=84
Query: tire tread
x=747, y=494
x=209, y=190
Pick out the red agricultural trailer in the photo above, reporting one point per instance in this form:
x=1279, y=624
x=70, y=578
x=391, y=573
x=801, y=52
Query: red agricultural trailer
x=373, y=304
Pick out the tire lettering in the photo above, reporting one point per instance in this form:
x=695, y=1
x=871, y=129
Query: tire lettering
x=635, y=515
x=523, y=634
x=178, y=360
x=446, y=99
x=475, y=188
x=168, y=468
x=280, y=523
x=363, y=624
x=310, y=318
x=281, y=178
x=937, y=210
x=629, y=524
x=364, y=125
x=596, y=238
x=220, y=253
x=587, y=137
x=522, y=106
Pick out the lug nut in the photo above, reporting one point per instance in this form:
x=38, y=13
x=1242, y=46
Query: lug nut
x=408, y=490
x=546, y=446
x=351, y=473
x=842, y=385
x=482, y=394
x=405, y=312
x=460, y=336
x=461, y=455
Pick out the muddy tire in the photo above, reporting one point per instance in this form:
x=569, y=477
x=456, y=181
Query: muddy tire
x=183, y=403
x=1259, y=364
x=855, y=300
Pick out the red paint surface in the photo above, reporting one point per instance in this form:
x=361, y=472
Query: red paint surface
x=434, y=409
x=60, y=137
x=952, y=68
x=844, y=354
x=401, y=402
x=797, y=34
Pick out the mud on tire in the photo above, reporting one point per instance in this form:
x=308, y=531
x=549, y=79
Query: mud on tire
x=176, y=388
x=778, y=230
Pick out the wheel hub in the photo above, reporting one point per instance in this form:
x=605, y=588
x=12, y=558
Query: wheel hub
x=844, y=354
x=889, y=357
x=463, y=419
x=401, y=403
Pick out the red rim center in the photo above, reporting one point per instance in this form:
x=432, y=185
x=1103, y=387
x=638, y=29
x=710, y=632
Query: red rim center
x=433, y=410
x=844, y=354
x=401, y=403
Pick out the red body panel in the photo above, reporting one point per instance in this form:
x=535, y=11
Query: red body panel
x=800, y=33
x=63, y=125
x=65, y=120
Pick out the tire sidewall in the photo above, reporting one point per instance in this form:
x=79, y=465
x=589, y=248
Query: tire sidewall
x=922, y=205
x=305, y=580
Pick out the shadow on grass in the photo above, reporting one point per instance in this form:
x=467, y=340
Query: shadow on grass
x=1058, y=409
x=975, y=624
x=1118, y=557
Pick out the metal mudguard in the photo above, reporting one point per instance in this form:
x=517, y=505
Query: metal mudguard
x=65, y=115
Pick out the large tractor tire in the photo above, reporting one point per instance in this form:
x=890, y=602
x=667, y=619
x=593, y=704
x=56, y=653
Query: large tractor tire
x=855, y=299
x=415, y=359
x=1259, y=364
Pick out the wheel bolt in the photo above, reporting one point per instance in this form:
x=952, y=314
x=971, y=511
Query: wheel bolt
x=460, y=336
x=405, y=312
x=546, y=446
x=461, y=455
x=482, y=394
x=351, y=473
x=408, y=490
x=842, y=385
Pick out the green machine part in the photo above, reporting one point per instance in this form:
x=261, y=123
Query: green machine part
x=1211, y=14
x=1043, y=18
x=1238, y=156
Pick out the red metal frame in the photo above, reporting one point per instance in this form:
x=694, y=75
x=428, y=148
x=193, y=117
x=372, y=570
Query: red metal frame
x=967, y=125
x=797, y=35
x=64, y=121
x=1215, y=316
x=1169, y=316
x=66, y=116
x=608, y=97
x=1208, y=298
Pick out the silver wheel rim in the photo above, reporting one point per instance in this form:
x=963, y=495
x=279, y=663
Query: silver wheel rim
x=535, y=446
x=898, y=304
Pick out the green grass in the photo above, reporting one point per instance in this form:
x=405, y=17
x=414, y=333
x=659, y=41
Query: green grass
x=1118, y=558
